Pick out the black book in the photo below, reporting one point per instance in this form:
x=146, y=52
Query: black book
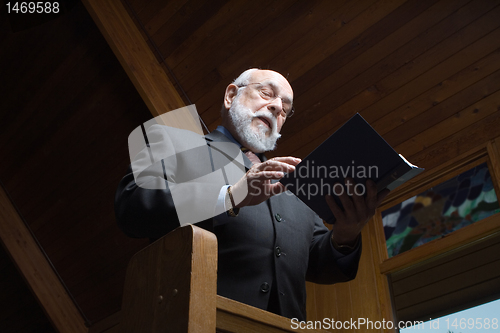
x=354, y=151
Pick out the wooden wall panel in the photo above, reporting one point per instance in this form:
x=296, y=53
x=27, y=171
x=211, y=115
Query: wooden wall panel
x=37, y=270
x=450, y=282
x=67, y=113
x=365, y=297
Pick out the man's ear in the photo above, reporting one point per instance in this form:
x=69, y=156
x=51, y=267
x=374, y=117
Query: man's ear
x=231, y=92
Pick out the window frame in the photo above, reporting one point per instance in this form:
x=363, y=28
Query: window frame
x=489, y=153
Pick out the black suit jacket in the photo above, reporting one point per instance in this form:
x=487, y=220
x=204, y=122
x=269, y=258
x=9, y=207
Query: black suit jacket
x=275, y=245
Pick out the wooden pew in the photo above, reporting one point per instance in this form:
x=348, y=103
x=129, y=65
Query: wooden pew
x=171, y=286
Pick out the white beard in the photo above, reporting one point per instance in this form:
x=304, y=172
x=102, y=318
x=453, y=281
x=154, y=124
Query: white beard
x=256, y=140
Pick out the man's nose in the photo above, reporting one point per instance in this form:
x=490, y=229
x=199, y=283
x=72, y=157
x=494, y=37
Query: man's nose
x=275, y=106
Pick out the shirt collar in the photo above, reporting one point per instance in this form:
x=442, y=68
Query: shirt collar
x=225, y=131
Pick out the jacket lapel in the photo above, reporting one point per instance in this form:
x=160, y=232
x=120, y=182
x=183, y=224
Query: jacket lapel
x=216, y=136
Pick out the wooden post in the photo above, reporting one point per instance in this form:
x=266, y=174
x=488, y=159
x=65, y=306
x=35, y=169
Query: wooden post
x=171, y=285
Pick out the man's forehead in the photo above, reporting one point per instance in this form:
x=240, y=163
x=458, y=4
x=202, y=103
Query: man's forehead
x=275, y=79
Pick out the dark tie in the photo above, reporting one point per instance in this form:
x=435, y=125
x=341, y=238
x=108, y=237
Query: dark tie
x=251, y=156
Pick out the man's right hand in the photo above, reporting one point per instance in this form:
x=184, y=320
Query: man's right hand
x=256, y=183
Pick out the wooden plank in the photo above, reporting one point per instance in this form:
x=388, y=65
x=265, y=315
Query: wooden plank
x=325, y=33
x=400, y=65
x=369, y=291
x=232, y=316
x=367, y=296
x=349, y=24
x=469, y=257
x=172, y=284
x=477, y=134
x=37, y=270
x=480, y=229
x=209, y=37
x=157, y=13
x=176, y=21
x=439, y=260
x=432, y=78
x=237, y=317
x=493, y=148
x=81, y=53
x=134, y=54
x=461, y=119
x=440, y=111
x=452, y=302
x=379, y=253
x=438, y=94
x=54, y=100
x=307, y=31
x=172, y=39
x=274, y=18
x=137, y=5
x=393, y=19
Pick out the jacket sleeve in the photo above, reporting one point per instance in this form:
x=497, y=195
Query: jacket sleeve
x=175, y=179
x=327, y=265
x=143, y=212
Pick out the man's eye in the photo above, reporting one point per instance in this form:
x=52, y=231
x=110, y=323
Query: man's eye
x=267, y=93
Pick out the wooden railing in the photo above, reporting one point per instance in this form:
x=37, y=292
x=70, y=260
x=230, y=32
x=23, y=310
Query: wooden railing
x=171, y=286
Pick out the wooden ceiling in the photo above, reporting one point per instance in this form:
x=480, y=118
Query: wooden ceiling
x=406, y=66
x=424, y=73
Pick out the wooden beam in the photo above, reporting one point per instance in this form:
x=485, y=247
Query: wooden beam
x=135, y=56
x=493, y=148
x=37, y=270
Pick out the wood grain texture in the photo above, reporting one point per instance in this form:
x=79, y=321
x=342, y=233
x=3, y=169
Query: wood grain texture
x=37, y=270
x=236, y=317
x=232, y=317
x=135, y=56
x=172, y=284
x=367, y=296
x=449, y=282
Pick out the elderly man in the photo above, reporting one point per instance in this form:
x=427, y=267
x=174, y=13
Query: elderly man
x=270, y=243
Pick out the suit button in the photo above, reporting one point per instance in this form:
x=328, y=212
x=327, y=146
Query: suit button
x=277, y=251
x=278, y=217
x=264, y=287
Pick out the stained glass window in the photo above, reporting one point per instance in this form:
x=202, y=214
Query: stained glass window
x=449, y=206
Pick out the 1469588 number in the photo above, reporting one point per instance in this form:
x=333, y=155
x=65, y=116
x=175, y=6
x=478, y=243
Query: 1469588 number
x=33, y=7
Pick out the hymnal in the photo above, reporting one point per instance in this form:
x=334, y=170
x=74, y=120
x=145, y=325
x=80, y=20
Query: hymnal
x=356, y=151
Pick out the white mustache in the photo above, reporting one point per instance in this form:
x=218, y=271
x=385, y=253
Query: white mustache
x=269, y=117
